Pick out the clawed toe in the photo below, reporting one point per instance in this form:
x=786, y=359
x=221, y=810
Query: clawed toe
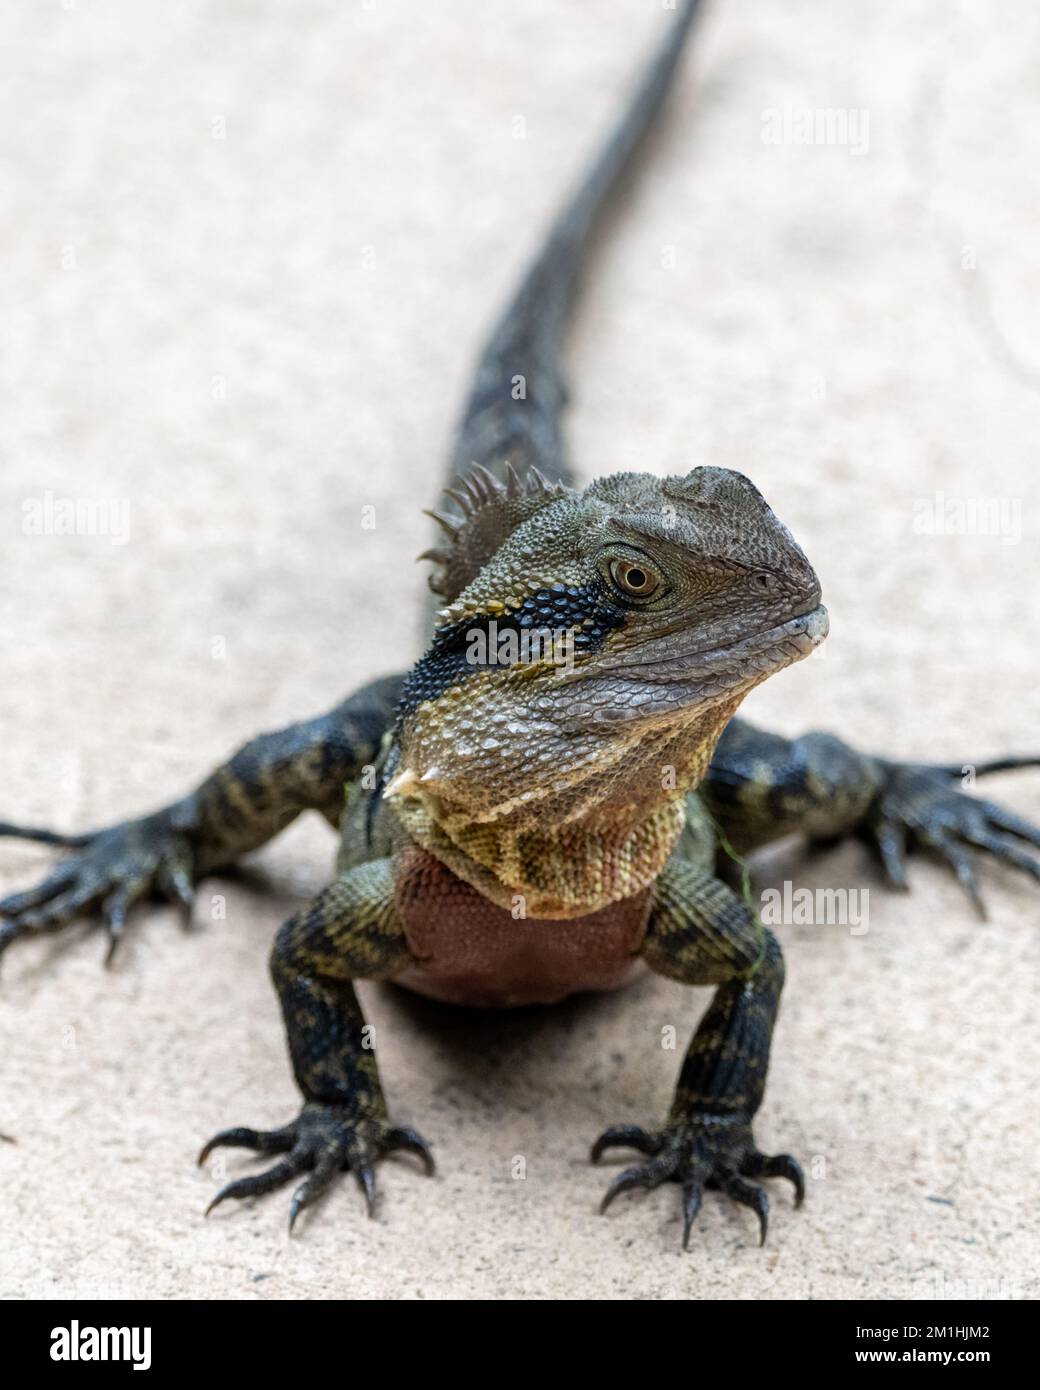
x=307, y=1192
x=758, y=1165
x=646, y=1175
x=259, y=1183
x=410, y=1141
x=748, y=1195
x=625, y=1137
x=271, y=1141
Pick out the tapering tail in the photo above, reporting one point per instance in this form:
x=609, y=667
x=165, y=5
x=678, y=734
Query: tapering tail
x=517, y=397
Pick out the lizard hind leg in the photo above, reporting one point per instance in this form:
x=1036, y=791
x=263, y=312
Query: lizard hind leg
x=348, y=932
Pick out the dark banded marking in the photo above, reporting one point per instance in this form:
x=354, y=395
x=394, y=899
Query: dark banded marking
x=448, y=661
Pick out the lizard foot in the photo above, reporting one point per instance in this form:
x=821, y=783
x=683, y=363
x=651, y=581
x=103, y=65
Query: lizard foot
x=323, y=1141
x=106, y=873
x=701, y=1151
x=922, y=805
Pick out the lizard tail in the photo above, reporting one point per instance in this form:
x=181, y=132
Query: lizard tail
x=517, y=396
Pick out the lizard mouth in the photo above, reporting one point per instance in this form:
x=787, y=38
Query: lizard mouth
x=754, y=657
x=802, y=633
x=757, y=655
x=760, y=654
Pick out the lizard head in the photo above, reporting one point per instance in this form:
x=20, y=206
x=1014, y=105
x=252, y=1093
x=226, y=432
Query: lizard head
x=596, y=639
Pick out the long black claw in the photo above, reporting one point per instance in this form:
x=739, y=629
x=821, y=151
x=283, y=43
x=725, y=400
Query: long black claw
x=693, y=1195
x=412, y=1141
x=114, y=911
x=626, y=1137
x=177, y=881
x=295, y=1206
x=749, y=1196
x=366, y=1179
x=891, y=843
x=777, y=1166
x=310, y=1190
x=259, y=1183
x=114, y=937
x=263, y=1141
x=631, y=1177
x=959, y=861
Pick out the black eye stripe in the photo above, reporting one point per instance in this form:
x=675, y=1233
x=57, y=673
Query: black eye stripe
x=589, y=607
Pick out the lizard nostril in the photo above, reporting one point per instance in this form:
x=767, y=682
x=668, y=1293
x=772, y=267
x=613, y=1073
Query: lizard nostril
x=763, y=580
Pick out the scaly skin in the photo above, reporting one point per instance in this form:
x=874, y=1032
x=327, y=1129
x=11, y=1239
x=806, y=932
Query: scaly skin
x=761, y=786
x=351, y=931
x=240, y=806
x=538, y=828
x=702, y=934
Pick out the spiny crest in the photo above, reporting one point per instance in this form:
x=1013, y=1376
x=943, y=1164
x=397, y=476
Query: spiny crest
x=491, y=512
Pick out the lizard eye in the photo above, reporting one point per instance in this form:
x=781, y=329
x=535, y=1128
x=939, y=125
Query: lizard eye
x=633, y=578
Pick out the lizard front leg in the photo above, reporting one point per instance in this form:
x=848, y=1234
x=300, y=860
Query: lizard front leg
x=701, y=933
x=761, y=787
x=350, y=931
x=242, y=805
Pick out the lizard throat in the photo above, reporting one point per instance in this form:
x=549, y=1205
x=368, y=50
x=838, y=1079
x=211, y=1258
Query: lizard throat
x=557, y=873
x=601, y=836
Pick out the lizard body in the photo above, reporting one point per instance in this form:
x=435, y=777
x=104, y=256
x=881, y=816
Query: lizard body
x=468, y=950
x=519, y=828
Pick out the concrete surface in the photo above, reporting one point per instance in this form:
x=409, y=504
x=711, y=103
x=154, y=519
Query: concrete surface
x=248, y=251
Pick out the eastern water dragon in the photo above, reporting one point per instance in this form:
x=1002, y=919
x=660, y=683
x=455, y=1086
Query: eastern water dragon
x=540, y=806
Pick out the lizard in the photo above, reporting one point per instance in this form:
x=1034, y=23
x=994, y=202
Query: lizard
x=548, y=801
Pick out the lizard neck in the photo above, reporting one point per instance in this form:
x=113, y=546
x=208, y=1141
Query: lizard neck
x=571, y=852
x=563, y=871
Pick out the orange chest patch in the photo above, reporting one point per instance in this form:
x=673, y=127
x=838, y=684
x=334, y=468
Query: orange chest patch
x=469, y=951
